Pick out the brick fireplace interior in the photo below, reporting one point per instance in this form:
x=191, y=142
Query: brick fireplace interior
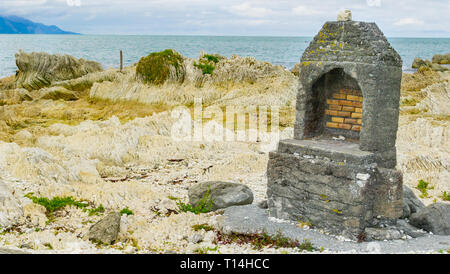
x=337, y=106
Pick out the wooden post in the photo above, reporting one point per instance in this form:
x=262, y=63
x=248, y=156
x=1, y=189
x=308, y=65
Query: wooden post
x=121, y=61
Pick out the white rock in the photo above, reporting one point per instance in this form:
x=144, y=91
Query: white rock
x=10, y=208
x=345, y=15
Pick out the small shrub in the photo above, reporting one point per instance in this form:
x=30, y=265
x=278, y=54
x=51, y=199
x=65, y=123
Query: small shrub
x=207, y=63
x=155, y=68
x=96, y=211
x=423, y=187
x=445, y=196
x=56, y=203
x=205, y=205
x=126, y=211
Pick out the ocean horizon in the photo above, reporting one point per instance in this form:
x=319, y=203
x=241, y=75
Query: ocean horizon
x=278, y=50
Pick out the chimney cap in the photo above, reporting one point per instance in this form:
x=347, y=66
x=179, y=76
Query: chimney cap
x=345, y=15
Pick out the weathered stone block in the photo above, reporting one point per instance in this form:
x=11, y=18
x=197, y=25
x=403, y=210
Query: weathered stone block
x=336, y=188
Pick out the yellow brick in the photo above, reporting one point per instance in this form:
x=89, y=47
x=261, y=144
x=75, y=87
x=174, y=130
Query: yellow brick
x=356, y=115
x=357, y=104
x=350, y=121
x=345, y=103
x=351, y=109
x=345, y=91
x=331, y=112
x=335, y=107
x=337, y=119
x=356, y=128
x=360, y=98
x=332, y=125
x=345, y=126
x=344, y=113
x=333, y=102
x=352, y=98
x=339, y=96
x=359, y=110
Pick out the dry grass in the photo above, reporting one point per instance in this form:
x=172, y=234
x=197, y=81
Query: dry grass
x=7, y=82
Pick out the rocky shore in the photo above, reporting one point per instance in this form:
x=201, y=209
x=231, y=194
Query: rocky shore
x=88, y=163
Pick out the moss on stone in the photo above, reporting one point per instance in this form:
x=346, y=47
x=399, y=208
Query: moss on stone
x=156, y=67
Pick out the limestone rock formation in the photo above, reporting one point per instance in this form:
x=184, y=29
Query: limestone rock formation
x=441, y=59
x=418, y=63
x=106, y=230
x=39, y=69
x=10, y=208
x=222, y=194
x=57, y=93
x=435, y=218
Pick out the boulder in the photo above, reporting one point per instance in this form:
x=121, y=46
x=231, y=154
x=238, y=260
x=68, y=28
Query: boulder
x=411, y=204
x=106, y=230
x=435, y=218
x=222, y=194
x=39, y=69
x=441, y=59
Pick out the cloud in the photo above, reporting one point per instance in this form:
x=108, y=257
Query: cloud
x=373, y=3
x=231, y=17
x=302, y=10
x=247, y=9
x=409, y=21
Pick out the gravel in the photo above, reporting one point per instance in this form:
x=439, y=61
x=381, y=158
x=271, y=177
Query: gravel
x=257, y=220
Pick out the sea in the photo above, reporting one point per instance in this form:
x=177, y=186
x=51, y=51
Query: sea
x=285, y=51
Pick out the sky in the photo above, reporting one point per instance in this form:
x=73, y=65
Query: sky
x=396, y=18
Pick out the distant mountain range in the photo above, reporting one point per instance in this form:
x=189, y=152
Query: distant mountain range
x=19, y=25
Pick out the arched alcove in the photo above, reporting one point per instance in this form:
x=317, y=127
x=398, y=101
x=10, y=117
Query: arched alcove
x=334, y=107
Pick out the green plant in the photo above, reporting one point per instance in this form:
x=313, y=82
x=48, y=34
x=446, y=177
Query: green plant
x=207, y=63
x=205, y=205
x=126, y=211
x=204, y=227
x=423, y=187
x=155, y=68
x=445, y=196
x=205, y=250
x=56, y=203
x=95, y=211
x=260, y=240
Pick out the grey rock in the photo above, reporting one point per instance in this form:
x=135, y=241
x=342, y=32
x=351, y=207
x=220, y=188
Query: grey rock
x=409, y=229
x=435, y=218
x=381, y=234
x=263, y=204
x=222, y=194
x=106, y=230
x=196, y=238
x=411, y=204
